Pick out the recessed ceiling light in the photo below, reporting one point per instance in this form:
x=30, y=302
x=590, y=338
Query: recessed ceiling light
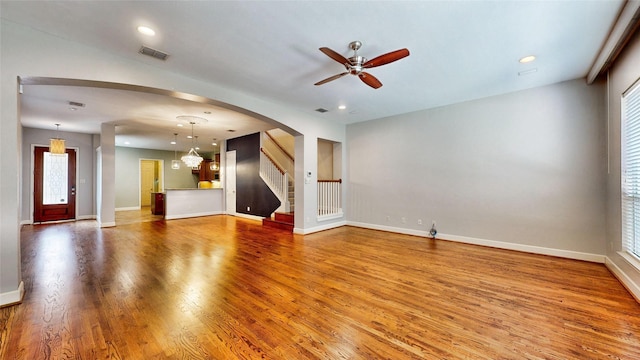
x=173, y=142
x=146, y=31
x=342, y=107
x=527, y=59
x=180, y=125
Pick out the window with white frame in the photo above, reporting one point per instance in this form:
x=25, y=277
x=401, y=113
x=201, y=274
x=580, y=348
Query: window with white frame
x=631, y=170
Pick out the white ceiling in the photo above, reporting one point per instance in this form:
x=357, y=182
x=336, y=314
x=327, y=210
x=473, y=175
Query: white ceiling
x=460, y=50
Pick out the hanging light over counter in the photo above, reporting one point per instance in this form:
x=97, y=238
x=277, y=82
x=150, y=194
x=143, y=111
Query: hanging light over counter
x=214, y=166
x=175, y=163
x=192, y=159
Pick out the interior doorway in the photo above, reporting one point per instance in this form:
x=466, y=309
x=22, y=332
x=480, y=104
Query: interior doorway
x=230, y=183
x=54, y=185
x=151, y=180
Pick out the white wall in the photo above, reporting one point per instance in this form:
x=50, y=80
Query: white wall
x=624, y=73
x=525, y=168
x=85, y=197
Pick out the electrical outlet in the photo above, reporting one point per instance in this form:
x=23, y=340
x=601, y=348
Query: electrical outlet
x=419, y=221
x=388, y=218
x=433, y=223
x=404, y=220
x=248, y=208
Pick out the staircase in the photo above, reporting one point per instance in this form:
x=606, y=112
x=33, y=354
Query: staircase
x=283, y=221
x=276, y=170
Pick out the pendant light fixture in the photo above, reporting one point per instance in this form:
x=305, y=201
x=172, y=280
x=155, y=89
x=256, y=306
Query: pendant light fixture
x=56, y=145
x=214, y=166
x=192, y=159
x=175, y=163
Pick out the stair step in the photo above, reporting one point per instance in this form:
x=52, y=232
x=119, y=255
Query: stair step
x=277, y=224
x=284, y=217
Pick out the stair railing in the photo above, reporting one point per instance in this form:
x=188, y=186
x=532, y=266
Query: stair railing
x=329, y=199
x=278, y=154
x=276, y=178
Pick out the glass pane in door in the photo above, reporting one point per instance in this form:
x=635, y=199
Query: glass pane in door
x=55, y=179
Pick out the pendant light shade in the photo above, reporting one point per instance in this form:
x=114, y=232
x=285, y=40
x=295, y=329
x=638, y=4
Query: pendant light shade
x=214, y=166
x=175, y=163
x=56, y=145
x=192, y=159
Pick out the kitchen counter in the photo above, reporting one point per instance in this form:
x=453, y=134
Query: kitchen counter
x=186, y=203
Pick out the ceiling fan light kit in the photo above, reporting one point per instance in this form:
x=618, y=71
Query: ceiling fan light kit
x=356, y=64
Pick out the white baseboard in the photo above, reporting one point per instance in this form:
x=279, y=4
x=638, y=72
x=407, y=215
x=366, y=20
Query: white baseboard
x=626, y=281
x=107, y=224
x=185, y=216
x=319, y=228
x=247, y=216
x=26, y=222
x=130, y=208
x=12, y=297
x=86, y=217
x=569, y=254
x=576, y=255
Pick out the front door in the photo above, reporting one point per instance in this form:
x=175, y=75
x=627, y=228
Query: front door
x=54, y=185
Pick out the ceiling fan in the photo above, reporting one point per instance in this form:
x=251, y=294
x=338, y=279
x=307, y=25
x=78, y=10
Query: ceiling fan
x=356, y=64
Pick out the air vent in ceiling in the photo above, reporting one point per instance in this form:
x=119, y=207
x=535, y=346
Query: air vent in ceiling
x=321, y=110
x=76, y=104
x=144, y=50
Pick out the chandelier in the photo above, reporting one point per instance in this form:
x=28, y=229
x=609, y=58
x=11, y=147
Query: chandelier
x=192, y=159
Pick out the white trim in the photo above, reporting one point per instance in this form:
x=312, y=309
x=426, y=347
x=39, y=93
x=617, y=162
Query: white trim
x=626, y=281
x=12, y=297
x=569, y=254
x=184, y=216
x=331, y=216
x=26, y=222
x=319, y=228
x=616, y=39
x=130, y=208
x=246, y=216
x=86, y=217
x=389, y=229
x=107, y=224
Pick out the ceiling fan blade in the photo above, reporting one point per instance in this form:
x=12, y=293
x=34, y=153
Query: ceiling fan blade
x=331, y=78
x=386, y=58
x=370, y=80
x=334, y=55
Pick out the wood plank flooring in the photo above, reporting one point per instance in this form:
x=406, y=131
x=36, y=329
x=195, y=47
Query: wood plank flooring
x=227, y=288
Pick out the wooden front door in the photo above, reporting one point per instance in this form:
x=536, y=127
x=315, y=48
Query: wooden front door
x=54, y=185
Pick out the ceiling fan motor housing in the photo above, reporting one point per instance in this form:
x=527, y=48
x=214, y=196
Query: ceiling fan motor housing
x=355, y=65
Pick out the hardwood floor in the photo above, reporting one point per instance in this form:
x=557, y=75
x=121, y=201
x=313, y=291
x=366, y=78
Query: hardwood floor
x=226, y=288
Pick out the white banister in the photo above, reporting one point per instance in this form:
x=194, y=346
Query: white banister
x=276, y=179
x=329, y=199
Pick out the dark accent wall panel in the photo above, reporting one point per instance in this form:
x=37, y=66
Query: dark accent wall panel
x=251, y=192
